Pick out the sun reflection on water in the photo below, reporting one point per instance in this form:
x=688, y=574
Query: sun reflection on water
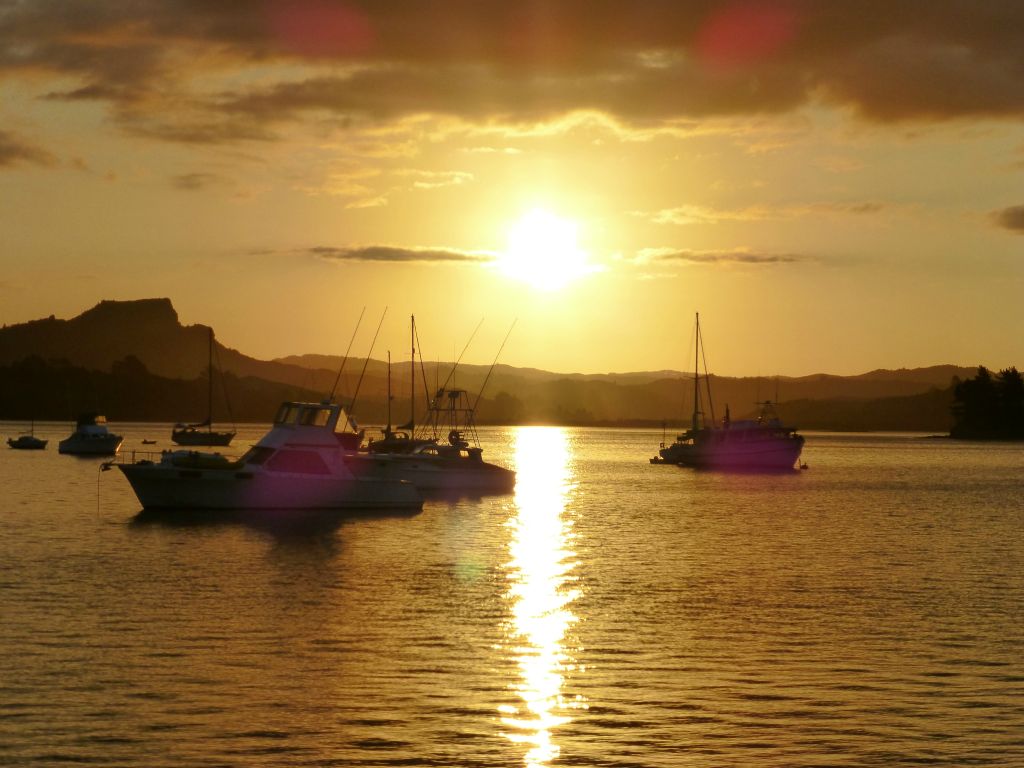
x=542, y=590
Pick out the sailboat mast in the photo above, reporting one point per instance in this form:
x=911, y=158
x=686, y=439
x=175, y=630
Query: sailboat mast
x=696, y=375
x=412, y=375
x=209, y=384
x=389, y=392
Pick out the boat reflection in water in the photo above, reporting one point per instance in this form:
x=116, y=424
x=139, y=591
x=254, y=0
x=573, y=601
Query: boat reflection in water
x=541, y=590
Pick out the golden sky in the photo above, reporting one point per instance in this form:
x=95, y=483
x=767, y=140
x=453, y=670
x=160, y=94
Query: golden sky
x=836, y=186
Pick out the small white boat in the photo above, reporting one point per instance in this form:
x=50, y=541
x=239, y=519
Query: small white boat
x=300, y=464
x=90, y=438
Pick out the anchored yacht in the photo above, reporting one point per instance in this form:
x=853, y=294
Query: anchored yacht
x=761, y=444
x=90, y=438
x=300, y=464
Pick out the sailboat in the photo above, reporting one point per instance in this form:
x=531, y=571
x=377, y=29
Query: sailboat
x=422, y=458
x=202, y=433
x=403, y=438
x=27, y=441
x=754, y=444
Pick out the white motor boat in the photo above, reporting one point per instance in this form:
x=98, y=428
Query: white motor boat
x=300, y=464
x=90, y=438
x=455, y=465
x=431, y=465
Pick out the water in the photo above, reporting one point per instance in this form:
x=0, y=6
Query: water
x=866, y=611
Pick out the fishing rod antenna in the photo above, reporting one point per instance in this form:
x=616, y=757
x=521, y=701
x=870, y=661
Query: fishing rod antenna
x=344, y=360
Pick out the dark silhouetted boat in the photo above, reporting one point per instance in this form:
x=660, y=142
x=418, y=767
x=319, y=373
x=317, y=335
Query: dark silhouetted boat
x=203, y=433
x=761, y=444
x=27, y=441
x=90, y=438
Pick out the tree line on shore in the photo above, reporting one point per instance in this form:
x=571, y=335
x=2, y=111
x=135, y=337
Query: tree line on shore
x=989, y=407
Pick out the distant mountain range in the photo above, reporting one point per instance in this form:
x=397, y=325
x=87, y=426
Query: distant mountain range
x=84, y=363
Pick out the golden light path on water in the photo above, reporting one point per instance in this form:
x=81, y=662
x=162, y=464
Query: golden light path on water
x=542, y=590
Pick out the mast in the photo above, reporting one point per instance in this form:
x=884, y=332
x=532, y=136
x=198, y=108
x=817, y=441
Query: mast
x=696, y=376
x=209, y=384
x=412, y=375
x=388, y=431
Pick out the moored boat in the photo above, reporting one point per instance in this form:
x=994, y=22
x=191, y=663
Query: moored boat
x=763, y=443
x=27, y=441
x=300, y=464
x=90, y=438
x=195, y=435
x=421, y=456
x=203, y=433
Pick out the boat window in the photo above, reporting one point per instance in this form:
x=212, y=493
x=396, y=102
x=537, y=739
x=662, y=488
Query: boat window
x=300, y=462
x=258, y=454
x=282, y=414
x=316, y=417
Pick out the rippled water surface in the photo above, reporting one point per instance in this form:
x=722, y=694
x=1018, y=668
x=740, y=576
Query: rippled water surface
x=866, y=611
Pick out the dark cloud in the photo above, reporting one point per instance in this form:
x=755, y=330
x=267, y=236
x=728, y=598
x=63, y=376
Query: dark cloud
x=489, y=60
x=396, y=254
x=737, y=256
x=15, y=150
x=864, y=208
x=1011, y=218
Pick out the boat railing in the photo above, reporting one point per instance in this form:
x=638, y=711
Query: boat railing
x=134, y=456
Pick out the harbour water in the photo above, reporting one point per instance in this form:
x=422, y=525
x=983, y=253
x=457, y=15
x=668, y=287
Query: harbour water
x=865, y=611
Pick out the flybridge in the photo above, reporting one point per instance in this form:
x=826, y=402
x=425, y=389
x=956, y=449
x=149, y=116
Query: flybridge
x=321, y=423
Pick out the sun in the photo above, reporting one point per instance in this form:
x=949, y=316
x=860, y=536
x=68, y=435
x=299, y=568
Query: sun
x=542, y=251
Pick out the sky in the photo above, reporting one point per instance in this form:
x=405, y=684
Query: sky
x=835, y=186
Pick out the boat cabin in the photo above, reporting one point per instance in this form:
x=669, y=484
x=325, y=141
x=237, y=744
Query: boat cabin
x=317, y=418
x=309, y=414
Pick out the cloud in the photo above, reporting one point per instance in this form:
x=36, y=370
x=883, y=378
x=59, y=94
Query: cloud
x=389, y=253
x=434, y=179
x=15, y=150
x=1011, y=218
x=493, y=150
x=699, y=214
x=736, y=256
x=194, y=181
x=195, y=72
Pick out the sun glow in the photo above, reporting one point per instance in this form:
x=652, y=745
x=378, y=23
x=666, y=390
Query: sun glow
x=542, y=251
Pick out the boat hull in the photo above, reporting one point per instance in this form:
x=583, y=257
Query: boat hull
x=108, y=445
x=26, y=443
x=158, y=486
x=753, y=455
x=194, y=437
x=435, y=473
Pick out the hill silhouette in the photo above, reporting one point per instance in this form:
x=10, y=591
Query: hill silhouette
x=143, y=343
